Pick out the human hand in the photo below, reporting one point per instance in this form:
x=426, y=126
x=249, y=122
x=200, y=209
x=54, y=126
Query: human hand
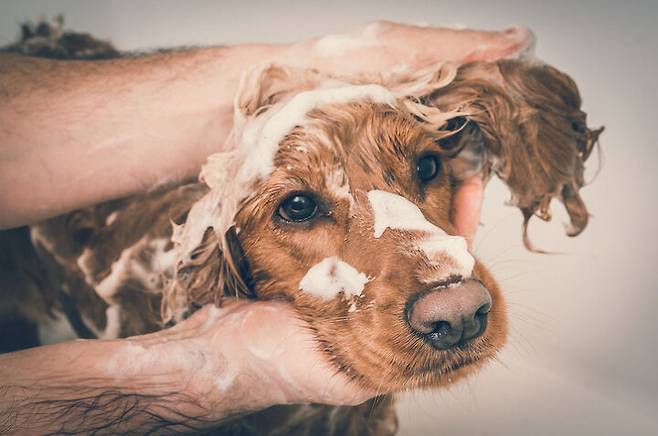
x=466, y=207
x=383, y=45
x=243, y=357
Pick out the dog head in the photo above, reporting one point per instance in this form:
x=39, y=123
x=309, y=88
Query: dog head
x=336, y=197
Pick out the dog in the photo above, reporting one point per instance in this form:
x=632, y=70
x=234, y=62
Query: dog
x=336, y=197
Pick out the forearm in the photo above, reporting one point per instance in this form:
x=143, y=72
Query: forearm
x=74, y=133
x=169, y=382
x=217, y=364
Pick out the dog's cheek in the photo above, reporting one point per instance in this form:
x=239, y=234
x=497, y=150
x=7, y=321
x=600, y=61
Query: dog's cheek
x=497, y=328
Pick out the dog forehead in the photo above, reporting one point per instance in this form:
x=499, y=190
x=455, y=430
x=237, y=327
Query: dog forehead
x=362, y=141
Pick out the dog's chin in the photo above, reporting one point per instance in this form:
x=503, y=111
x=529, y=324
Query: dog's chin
x=452, y=366
x=440, y=368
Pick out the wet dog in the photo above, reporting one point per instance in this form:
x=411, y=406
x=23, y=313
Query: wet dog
x=336, y=197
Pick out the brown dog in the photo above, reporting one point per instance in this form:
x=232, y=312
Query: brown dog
x=335, y=197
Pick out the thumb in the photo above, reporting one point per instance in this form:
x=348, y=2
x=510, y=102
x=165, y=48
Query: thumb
x=466, y=207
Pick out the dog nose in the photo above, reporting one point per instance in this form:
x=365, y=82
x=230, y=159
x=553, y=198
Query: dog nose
x=451, y=315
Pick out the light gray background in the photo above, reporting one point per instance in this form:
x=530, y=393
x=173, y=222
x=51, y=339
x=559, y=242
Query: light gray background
x=582, y=359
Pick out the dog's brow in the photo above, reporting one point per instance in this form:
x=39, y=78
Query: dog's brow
x=294, y=112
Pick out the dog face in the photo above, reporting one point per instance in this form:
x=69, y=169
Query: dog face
x=350, y=221
x=353, y=227
x=337, y=198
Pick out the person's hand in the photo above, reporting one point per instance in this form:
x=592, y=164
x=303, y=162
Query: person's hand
x=243, y=357
x=466, y=207
x=383, y=45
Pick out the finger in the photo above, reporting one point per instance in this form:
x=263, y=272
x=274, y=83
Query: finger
x=511, y=43
x=466, y=207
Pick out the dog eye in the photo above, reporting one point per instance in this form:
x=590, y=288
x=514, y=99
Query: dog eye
x=428, y=167
x=298, y=208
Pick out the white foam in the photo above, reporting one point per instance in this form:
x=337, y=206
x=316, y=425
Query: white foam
x=161, y=259
x=396, y=212
x=337, y=45
x=292, y=114
x=111, y=218
x=86, y=257
x=330, y=276
x=113, y=323
x=118, y=273
x=225, y=380
x=336, y=182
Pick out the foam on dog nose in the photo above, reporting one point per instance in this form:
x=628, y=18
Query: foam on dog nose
x=331, y=276
x=396, y=212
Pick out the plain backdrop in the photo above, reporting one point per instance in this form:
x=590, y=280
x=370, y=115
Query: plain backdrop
x=582, y=358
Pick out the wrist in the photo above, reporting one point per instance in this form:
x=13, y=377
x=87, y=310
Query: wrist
x=204, y=360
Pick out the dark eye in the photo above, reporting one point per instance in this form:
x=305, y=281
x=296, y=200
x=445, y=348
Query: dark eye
x=428, y=167
x=298, y=207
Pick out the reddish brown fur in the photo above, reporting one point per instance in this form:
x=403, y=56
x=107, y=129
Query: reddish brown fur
x=536, y=135
x=525, y=125
x=365, y=142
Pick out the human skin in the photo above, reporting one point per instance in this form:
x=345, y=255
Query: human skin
x=76, y=133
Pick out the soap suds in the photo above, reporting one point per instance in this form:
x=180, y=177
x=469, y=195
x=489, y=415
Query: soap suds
x=396, y=212
x=162, y=260
x=118, y=273
x=337, y=45
x=185, y=357
x=111, y=218
x=329, y=277
x=82, y=262
x=113, y=323
x=336, y=182
x=293, y=114
x=225, y=380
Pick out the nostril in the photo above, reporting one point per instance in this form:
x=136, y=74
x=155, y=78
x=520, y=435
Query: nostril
x=441, y=330
x=483, y=310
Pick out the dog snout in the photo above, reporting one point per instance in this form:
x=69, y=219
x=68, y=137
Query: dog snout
x=451, y=315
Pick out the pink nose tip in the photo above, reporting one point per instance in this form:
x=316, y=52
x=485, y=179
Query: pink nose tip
x=452, y=315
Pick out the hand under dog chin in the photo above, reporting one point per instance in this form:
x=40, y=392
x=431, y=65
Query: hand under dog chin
x=251, y=354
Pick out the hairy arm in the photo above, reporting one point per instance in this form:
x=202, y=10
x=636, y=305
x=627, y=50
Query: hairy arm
x=75, y=133
x=216, y=365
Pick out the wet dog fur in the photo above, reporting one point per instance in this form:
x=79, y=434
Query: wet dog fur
x=132, y=266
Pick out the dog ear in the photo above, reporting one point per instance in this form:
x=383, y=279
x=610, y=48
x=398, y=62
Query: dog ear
x=526, y=126
x=213, y=269
x=265, y=85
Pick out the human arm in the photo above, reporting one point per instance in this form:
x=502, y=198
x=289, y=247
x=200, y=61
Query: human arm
x=75, y=133
x=218, y=364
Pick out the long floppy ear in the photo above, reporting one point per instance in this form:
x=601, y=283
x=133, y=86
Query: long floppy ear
x=265, y=85
x=523, y=122
x=215, y=268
